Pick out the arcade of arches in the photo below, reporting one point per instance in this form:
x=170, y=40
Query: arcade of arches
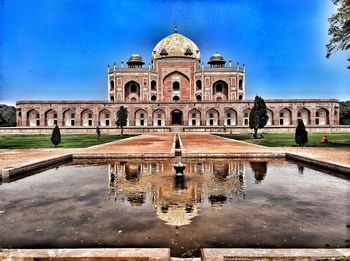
x=183, y=115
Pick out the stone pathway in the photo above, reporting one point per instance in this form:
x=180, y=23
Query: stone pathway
x=161, y=143
x=210, y=144
x=146, y=143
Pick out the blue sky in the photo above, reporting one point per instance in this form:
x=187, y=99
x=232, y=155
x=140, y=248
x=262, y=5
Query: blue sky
x=60, y=49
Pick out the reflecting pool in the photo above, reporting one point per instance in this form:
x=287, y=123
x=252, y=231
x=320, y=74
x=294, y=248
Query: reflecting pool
x=141, y=203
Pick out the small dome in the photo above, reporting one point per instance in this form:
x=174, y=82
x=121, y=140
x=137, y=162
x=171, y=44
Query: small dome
x=163, y=52
x=216, y=58
x=135, y=59
x=188, y=51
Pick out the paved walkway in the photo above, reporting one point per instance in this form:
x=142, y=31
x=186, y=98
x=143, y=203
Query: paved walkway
x=162, y=143
x=146, y=143
x=211, y=144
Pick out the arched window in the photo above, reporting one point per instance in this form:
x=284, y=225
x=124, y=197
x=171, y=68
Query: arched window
x=176, y=86
x=219, y=99
x=153, y=85
x=153, y=98
x=219, y=87
x=211, y=115
x=133, y=99
x=111, y=87
x=240, y=97
x=176, y=98
x=199, y=85
x=240, y=84
x=112, y=98
x=246, y=117
x=198, y=98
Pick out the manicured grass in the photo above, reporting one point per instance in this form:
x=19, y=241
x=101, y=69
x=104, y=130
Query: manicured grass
x=44, y=141
x=287, y=139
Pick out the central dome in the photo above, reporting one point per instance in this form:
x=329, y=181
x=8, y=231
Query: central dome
x=176, y=45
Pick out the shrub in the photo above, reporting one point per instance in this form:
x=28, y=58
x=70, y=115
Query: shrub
x=56, y=136
x=301, y=134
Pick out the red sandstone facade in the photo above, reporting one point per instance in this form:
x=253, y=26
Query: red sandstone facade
x=176, y=89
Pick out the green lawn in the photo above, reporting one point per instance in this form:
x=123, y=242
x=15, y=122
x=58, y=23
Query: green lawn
x=287, y=139
x=44, y=141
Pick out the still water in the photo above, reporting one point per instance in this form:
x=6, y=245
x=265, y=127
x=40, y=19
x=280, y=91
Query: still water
x=140, y=203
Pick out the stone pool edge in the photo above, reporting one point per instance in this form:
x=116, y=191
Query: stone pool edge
x=163, y=254
x=11, y=172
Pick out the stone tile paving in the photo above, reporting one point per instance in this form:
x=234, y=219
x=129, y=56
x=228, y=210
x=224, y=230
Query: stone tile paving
x=151, y=143
x=206, y=143
x=20, y=157
x=162, y=143
x=146, y=143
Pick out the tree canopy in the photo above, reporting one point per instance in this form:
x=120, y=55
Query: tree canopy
x=7, y=116
x=122, y=118
x=301, y=134
x=339, y=28
x=344, y=112
x=56, y=136
x=258, y=115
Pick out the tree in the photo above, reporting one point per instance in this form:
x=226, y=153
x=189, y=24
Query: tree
x=339, y=28
x=258, y=115
x=344, y=113
x=56, y=136
x=7, y=116
x=122, y=118
x=301, y=134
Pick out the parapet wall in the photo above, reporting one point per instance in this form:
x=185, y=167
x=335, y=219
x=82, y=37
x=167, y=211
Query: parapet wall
x=140, y=130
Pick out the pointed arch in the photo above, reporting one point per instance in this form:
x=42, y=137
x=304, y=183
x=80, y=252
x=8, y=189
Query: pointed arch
x=141, y=117
x=305, y=115
x=194, y=117
x=158, y=117
x=220, y=90
x=175, y=86
x=285, y=117
x=104, y=118
x=230, y=117
x=132, y=91
x=212, y=116
x=68, y=118
x=245, y=120
x=322, y=116
x=33, y=118
x=270, y=121
x=174, y=72
x=51, y=118
x=176, y=117
x=87, y=118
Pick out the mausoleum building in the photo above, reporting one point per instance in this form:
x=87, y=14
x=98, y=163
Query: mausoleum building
x=175, y=89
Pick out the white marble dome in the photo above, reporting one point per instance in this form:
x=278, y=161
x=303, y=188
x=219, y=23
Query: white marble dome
x=175, y=45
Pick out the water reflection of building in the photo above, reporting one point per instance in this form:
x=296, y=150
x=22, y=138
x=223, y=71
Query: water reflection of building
x=177, y=201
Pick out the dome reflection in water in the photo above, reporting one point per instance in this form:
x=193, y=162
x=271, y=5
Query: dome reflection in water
x=141, y=203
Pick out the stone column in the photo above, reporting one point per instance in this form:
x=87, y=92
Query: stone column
x=59, y=116
x=78, y=117
x=42, y=117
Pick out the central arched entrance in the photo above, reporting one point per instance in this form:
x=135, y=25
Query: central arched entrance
x=176, y=117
